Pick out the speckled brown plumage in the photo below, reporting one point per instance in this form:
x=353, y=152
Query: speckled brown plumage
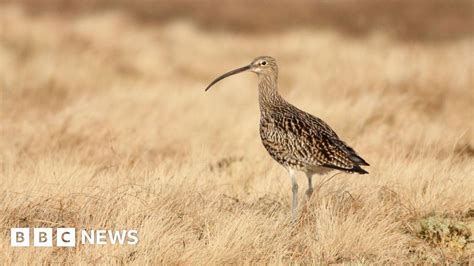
x=300, y=140
x=294, y=138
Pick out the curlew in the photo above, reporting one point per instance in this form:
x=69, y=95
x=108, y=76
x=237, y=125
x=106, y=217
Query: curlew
x=295, y=139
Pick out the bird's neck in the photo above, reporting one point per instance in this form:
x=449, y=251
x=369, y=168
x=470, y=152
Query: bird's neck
x=268, y=92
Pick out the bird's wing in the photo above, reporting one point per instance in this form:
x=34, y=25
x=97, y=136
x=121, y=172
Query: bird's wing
x=316, y=144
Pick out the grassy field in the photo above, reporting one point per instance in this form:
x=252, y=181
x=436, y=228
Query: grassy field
x=105, y=124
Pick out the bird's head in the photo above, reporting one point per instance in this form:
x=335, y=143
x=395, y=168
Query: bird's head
x=262, y=65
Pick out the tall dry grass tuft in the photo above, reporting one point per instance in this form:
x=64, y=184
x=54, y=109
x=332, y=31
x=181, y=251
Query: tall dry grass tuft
x=105, y=125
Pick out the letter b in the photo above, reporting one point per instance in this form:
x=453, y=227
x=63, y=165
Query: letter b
x=20, y=237
x=43, y=237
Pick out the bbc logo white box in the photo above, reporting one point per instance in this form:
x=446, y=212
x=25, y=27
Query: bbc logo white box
x=43, y=237
x=20, y=237
x=66, y=237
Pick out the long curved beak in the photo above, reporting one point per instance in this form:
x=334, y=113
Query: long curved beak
x=230, y=73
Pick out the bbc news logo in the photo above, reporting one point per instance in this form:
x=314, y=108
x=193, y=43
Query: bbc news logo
x=66, y=237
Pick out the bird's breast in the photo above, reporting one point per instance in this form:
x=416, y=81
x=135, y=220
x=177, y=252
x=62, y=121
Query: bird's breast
x=267, y=128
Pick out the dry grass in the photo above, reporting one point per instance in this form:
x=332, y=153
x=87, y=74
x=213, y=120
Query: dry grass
x=105, y=125
x=428, y=20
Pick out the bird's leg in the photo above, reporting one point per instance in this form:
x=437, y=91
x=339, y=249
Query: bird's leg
x=309, y=191
x=294, y=189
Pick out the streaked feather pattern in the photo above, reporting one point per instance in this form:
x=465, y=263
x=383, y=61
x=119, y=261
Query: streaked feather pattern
x=300, y=140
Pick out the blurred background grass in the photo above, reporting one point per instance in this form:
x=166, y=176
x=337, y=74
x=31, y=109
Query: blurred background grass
x=420, y=20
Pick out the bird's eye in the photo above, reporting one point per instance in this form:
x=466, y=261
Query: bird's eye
x=263, y=63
